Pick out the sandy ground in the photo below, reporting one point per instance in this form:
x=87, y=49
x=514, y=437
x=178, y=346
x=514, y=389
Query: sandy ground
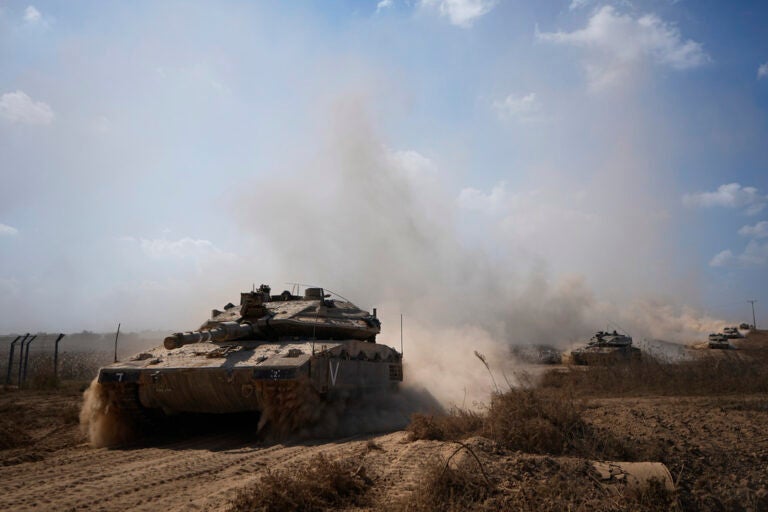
x=715, y=447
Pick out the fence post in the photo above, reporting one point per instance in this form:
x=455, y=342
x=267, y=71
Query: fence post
x=21, y=357
x=26, y=362
x=56, y=359
x=10, y=358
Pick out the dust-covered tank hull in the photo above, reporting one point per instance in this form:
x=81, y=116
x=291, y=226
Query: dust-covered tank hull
x=271, y=354
x=606, y=348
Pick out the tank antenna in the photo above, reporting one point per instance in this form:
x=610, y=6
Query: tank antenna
x=116, y=335
x=401, y=334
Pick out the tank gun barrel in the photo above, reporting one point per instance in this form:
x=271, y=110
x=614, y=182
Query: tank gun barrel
x=226, y=331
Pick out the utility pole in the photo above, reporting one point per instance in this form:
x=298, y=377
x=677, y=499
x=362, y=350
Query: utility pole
x=754, y=323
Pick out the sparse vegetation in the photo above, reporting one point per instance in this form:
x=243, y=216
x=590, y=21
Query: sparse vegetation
x=457, y=424
x=529, y=420
x=730, y=373
x=323, y=484
x=443, y=486
x=569, y=413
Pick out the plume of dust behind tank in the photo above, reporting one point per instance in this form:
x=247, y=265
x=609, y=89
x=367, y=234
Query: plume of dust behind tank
x=101, y=420
x=392, y=218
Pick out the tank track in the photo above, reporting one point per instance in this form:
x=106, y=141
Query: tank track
x=126, y=399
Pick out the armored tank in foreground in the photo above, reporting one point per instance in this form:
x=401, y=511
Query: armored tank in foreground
x=606, y=348
x=279, y=355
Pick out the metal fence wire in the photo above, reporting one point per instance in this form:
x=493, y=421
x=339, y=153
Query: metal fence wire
x=44, y=359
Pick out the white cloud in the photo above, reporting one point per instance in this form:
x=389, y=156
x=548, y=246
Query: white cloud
x=619, y=41
x=472, y=199
x=721, y=259
x=6, y=230
x=731, y=195
x=461, y=13
x=383, y=4
x=32, y=15
x=18, y=107
x=762, y=70
x=754, y=255
x=522, y=108
x=413, y=164
x=578, y=4
x=759, y=230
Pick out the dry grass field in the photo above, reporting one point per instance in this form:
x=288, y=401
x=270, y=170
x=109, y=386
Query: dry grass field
x=530, y=449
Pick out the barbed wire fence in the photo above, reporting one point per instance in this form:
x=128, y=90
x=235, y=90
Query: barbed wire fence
x=29, y=362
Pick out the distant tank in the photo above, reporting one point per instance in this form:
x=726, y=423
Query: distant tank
x=718, y=341
x=732, y=333
x=279, y=355
x=537, y=354
x=606, y=348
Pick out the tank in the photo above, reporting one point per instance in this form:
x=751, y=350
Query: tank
x=537, y=354
x=606, y=348
x=718, y=341
x=281, y=356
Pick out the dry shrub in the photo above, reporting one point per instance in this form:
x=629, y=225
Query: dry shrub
x=549, y=485
x=540, y=484
x=550, y=421
x=448, y=487
x=530, y=420
x=653, y=497
x=536, y=422
x=320, y=485
x=456, y=424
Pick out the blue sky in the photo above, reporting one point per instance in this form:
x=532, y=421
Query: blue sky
x=157, y=157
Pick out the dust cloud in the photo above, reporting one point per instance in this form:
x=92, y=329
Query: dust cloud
x=301, y=414
x=101, y=420
x=384, y=228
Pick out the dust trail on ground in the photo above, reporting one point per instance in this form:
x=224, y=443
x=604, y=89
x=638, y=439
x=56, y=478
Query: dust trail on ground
x=101, y=419
x=302, y=414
